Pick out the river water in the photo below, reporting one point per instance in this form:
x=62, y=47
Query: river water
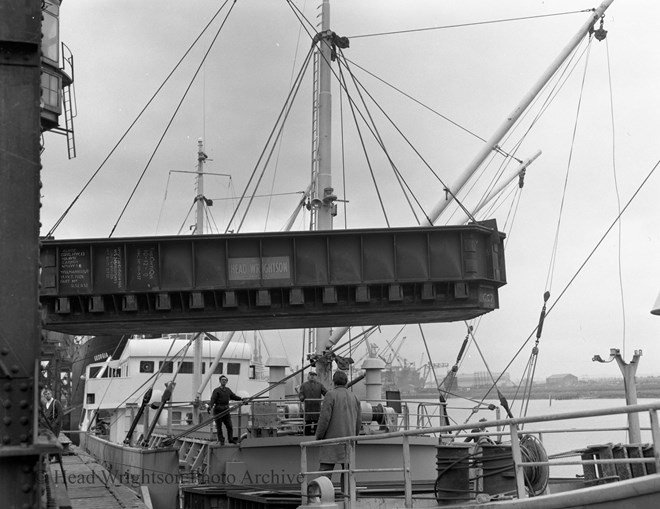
x=559, y=436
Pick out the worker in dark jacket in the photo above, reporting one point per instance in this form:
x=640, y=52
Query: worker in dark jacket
x=219, y=404
x=310, y=393
x=341, y=416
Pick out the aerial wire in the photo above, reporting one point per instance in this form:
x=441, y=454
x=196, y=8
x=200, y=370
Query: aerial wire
x=112, y=151
x=169, y=124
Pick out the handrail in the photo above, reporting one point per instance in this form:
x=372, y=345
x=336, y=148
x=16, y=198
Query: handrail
x=499, y=422
x=512, y=424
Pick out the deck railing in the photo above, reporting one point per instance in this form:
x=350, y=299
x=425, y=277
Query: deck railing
x=513, y=432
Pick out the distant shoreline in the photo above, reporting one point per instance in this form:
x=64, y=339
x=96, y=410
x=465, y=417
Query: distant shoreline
x=542, y=391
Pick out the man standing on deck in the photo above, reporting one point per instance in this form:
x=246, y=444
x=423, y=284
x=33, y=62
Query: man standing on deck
x=310, y=393
x=220, y=405
x=341, y=416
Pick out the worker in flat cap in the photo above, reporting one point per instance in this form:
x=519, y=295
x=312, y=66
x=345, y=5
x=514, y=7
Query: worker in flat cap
x=310, y=393
x=219, y=407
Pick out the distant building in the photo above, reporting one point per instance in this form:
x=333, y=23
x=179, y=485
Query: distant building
x=562, y=380
x=484, y=379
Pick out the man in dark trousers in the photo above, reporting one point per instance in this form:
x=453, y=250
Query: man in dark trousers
x=219, y=403
x=341, y=416
x=310, y=393
x=53, y=413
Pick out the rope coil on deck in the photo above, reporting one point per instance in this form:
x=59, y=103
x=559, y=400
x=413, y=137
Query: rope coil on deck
x=536, y=477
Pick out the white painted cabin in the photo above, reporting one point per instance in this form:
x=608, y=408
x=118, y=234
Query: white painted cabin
x=115, y=388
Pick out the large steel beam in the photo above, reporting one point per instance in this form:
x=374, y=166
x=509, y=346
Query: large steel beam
x=272, y=280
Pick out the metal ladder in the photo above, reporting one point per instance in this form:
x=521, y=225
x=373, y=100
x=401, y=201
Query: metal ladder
x=69, y=103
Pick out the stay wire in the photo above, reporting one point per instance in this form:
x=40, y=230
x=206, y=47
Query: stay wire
x=283, y=112
x=275, y=144
x=586, y=260
x=405, y=138
x=130, y=127
x=364, y=150
x=417, y=101
x=476, y=23
x=185, y=219
x=339, y=80
x=304, y=22
x=555, y=247
x=176, y=111
x=397, y=174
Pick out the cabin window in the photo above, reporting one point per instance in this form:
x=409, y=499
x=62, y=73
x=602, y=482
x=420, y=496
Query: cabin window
x=189, y=367
x=166, y=366
x=91, y=397
x=50, y=29
x=93, y=371
x=51, y=84
x=233, y=368
x=218, y=369
x=176, y=417
x=146, y=366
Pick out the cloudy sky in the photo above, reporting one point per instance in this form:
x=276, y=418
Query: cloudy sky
x=598, y=132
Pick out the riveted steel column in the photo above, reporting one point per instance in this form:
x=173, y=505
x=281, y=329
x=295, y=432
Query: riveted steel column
x=20, y=39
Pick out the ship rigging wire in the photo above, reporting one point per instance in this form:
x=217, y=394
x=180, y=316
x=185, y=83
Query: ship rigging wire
x=560, y=81
x=139, y=115
x=169, y=124
x=374, y=130
x=555, y=247
x=273, y=137
x=463, y=25
x=339, y=52
x=586, y=260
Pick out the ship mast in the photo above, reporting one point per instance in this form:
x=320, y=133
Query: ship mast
x=323, y=206
x=199, y=230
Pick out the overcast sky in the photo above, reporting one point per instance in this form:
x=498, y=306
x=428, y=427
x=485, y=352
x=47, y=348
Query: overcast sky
x=474, y=75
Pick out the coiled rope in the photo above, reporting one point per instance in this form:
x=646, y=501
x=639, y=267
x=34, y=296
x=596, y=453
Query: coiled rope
x=537, y=476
